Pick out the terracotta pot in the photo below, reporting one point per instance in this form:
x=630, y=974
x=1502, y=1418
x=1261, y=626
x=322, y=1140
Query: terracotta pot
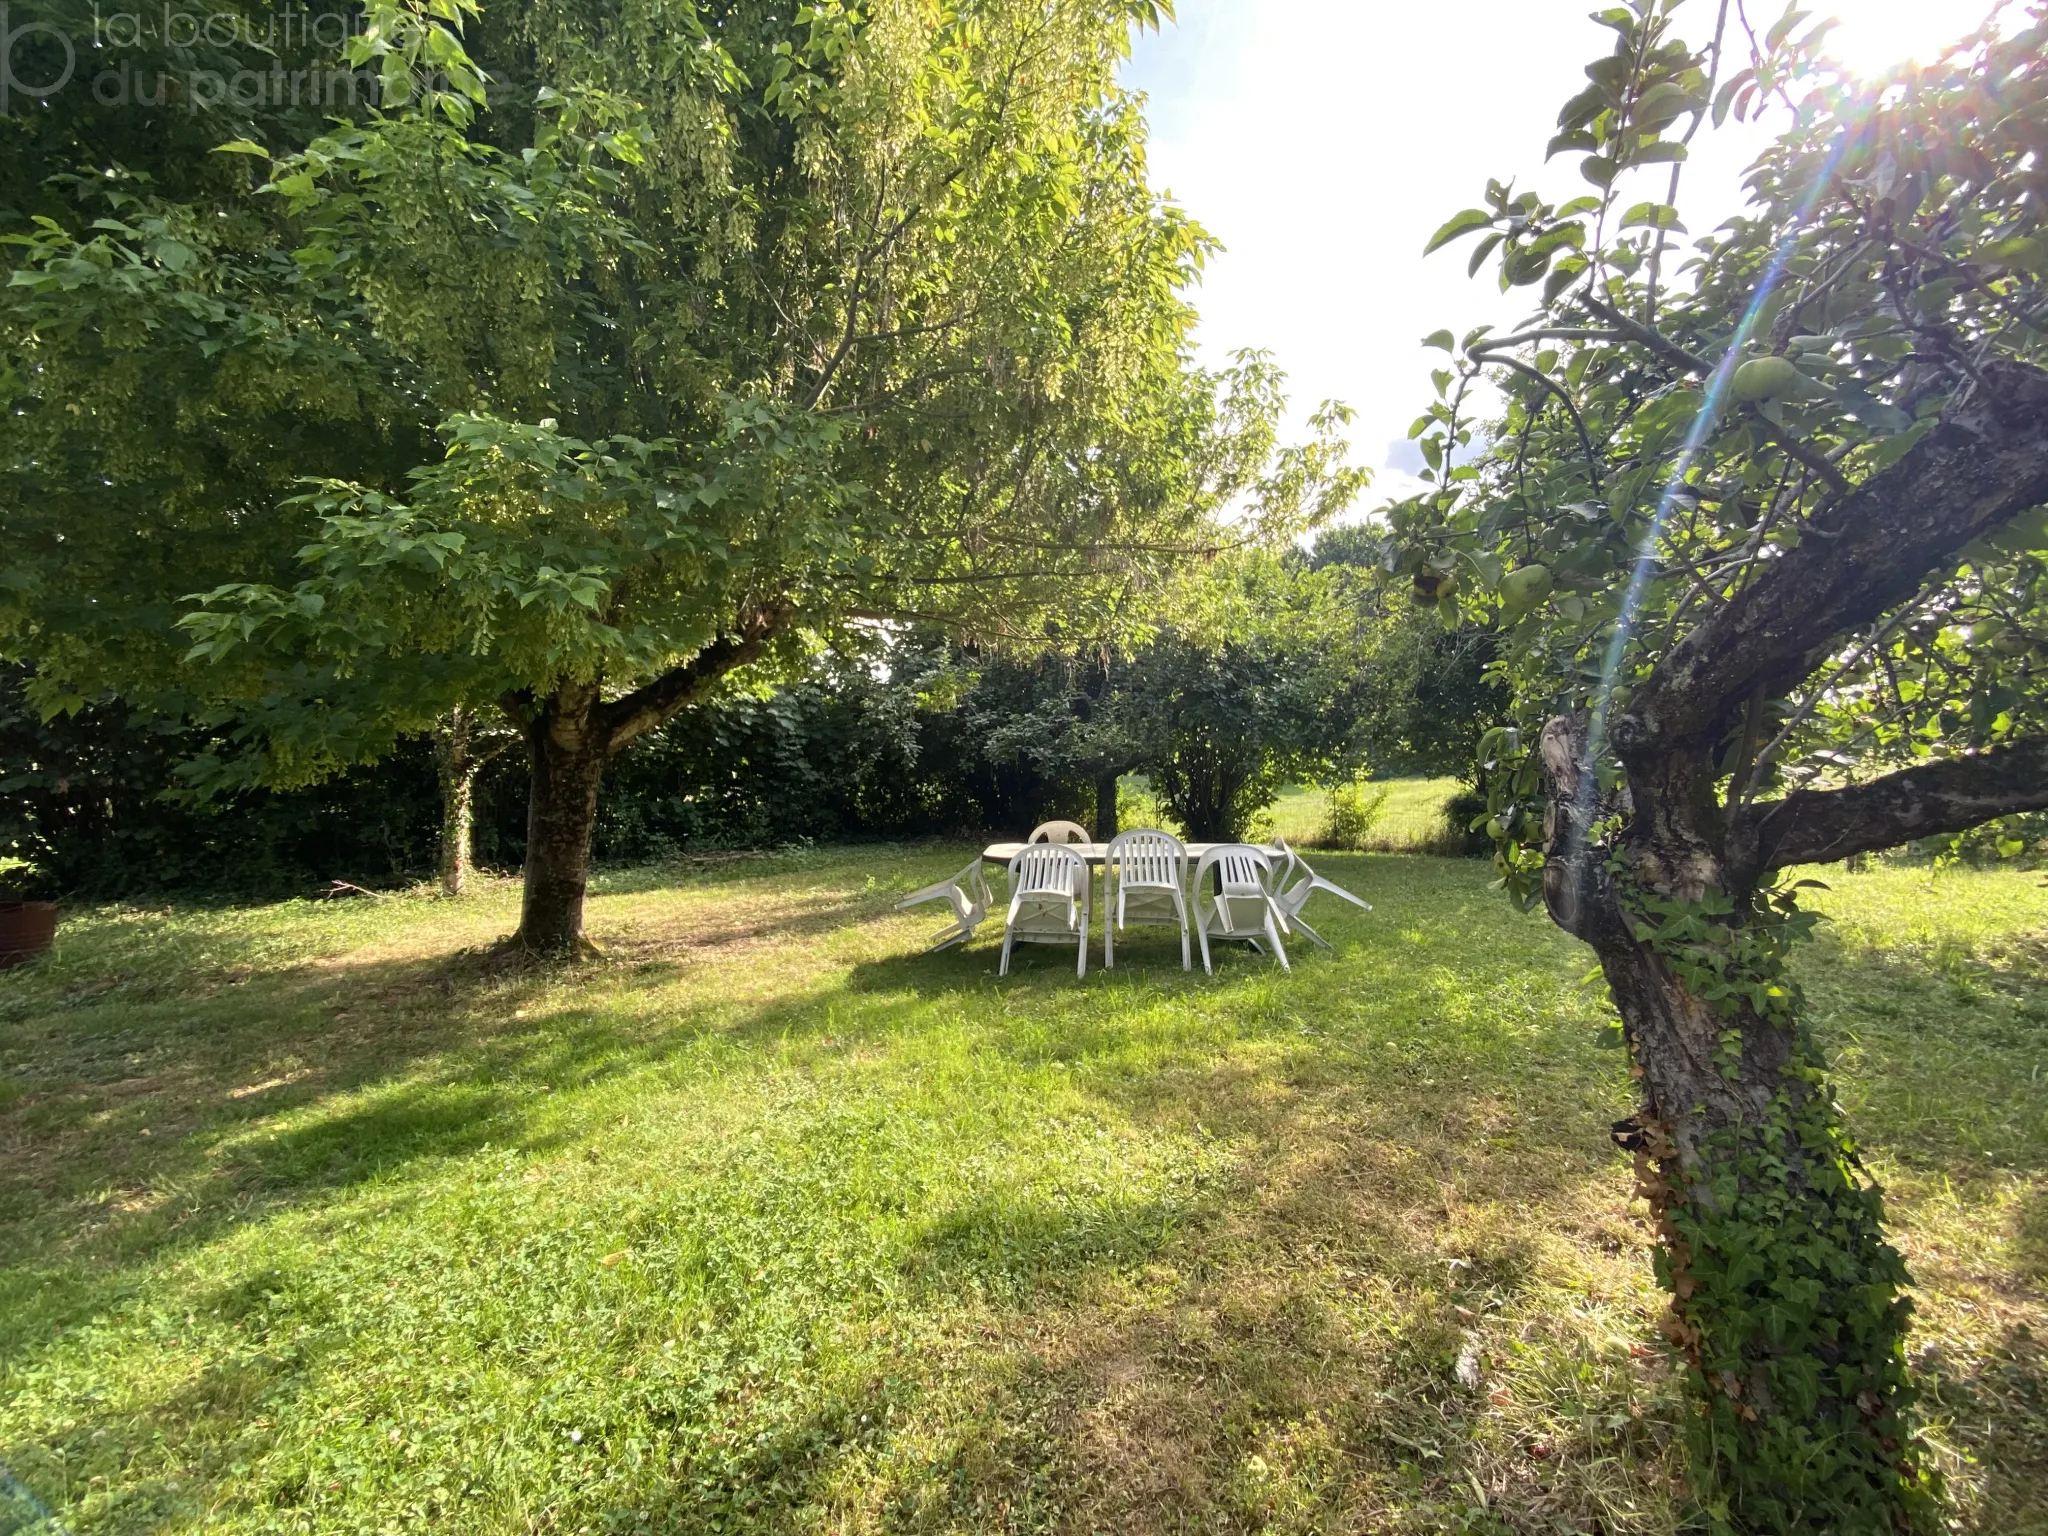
x=27, y=929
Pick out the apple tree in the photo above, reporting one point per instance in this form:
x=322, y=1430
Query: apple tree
x=1759, y=519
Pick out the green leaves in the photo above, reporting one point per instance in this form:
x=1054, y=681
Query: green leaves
x=1459, y=224
x=970, y=397
x=1880, y=416
x=1581, y=110
x=2020, y=253
x=1605, y=448
x=1662, y=105
x=1781, y=29
x=1735, y=92
x=1652, y=216
x=421, y=62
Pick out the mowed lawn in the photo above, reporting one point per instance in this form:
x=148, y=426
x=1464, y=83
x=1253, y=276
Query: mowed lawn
x=1411, y=820
x=313, y=1220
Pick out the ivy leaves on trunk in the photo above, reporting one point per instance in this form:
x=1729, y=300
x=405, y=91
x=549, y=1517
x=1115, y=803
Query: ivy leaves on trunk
x=1759, y=526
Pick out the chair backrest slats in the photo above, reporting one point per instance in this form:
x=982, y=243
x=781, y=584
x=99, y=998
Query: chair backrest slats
x=1147, y=857
x=1243, y=872
x=1046, y=869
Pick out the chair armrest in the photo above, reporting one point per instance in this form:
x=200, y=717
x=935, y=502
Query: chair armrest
x=932, y=892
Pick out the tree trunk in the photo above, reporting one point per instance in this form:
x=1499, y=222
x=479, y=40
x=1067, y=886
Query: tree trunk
x=567, y=745
x=1201, y=789
x=570, y=735
x=1227, y=816
x=458, y=765
x=1786, y=1301
x=1105, y=804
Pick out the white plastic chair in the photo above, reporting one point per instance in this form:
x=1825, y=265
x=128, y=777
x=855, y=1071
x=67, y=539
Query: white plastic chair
x=1290, y=899
x=1143, y=877
x=1058, y=832
x=1049, y=902
x=1243, y=908
x=967, y=893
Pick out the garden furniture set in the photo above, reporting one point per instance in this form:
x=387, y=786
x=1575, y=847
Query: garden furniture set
x=1242, y=892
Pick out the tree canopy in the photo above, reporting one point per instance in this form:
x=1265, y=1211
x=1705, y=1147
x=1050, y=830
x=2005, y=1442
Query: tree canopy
x=1760, y=522
x=720, y=328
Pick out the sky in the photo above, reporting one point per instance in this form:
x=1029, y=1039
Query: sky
x=1323, y=141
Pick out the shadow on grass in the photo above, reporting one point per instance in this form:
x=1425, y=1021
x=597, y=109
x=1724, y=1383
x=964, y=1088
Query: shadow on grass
x=137, y=1117
x=1290, y=1338
x=1996, y=1407
x=1150, y=1364
x=1035, y=971
x=1937, y=1052
x=1009, y=1251
x=348, y=1073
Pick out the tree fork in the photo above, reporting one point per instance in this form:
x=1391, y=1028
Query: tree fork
x=570, y=736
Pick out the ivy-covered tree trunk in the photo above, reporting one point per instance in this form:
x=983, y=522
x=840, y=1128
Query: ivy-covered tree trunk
x=458, y=764
x=1786, y=1300
x=567, y=745
x=1776, y=537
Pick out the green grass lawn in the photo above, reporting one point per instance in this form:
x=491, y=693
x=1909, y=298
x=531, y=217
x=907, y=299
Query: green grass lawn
x=1412, y=822
x=311, y=1220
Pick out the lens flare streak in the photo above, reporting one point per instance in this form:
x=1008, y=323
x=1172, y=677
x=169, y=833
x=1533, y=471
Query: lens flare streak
x=1704, y=422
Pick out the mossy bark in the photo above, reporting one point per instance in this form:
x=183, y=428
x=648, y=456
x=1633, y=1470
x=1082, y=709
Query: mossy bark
x=458, y=764
x=1787, y=1304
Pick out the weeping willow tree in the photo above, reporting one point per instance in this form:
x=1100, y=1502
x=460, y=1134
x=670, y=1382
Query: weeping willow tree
x=1760, y=525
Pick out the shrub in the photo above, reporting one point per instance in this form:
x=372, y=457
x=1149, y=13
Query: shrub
x=1355, y=809
x=1460, y=836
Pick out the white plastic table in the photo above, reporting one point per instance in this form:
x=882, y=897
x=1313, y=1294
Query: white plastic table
x=1096, y=853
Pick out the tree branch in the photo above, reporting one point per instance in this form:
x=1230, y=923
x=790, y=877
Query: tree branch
x=1818, y=826
x=1747, y=786
x=1985, y=463
x=1648, y=336
x=1794, y=448
x=1482, y=355
x=648, y=708
x=1691, y=362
